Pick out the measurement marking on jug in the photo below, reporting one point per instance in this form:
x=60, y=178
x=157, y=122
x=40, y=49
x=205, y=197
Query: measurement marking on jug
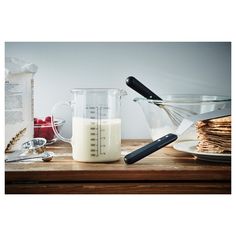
x=100, y=131
x=97, y=132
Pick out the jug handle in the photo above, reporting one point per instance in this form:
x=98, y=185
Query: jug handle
x=68, y=140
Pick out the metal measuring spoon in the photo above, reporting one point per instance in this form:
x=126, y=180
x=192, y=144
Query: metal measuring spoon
x=48, y=156
x=35, y=145
x=45, y=156
x=32, y=149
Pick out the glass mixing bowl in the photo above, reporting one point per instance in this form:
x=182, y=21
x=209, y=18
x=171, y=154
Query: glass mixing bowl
x=164, y=116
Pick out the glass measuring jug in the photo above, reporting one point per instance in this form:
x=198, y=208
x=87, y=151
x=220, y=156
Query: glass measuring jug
x=96, y=124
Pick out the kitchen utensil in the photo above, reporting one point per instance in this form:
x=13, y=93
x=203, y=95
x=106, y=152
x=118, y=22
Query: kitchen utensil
x=45, y=156
x=34, y=148
x=159, y=122
x=171, y=137
x=176, y=114
x=190, y=147
x=35, y=145
x=96, y=124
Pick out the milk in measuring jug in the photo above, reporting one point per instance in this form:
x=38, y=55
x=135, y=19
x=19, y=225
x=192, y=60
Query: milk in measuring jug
x=96, y=140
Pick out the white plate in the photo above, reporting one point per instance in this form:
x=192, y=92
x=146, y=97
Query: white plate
x=190, y=147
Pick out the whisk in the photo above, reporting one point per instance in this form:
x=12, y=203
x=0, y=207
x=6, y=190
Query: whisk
x=176, y=114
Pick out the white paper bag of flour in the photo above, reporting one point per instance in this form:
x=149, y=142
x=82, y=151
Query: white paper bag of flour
x=19, y=102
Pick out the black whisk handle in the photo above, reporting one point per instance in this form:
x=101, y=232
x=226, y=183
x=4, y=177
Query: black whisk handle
x=149, y=148
x=141, y=89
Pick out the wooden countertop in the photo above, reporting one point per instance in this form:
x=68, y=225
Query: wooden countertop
x=165, y=171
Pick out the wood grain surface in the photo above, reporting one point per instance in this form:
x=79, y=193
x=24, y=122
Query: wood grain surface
x=165, y=171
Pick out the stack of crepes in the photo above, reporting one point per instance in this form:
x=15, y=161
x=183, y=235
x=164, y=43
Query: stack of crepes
x=214, y=135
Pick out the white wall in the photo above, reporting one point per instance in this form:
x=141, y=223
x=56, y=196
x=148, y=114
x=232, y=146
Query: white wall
x=199, y=68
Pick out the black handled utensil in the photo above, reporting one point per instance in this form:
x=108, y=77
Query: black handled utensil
x=175, y=113
x=141, y=89
x=169, y=138
x=149, y=148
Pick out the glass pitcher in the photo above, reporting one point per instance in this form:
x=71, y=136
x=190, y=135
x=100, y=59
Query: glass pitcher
x=96, y=124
